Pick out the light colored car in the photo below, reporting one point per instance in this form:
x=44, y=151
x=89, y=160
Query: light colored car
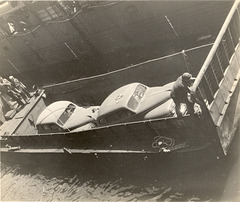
x=65, y=116
x=135, y=102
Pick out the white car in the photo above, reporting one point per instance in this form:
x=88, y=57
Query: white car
x=136, y=102
x=65, y=116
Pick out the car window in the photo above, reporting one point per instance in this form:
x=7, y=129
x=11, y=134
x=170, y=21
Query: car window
x=55, y=127
x=66, y=114
x=116, y=116
x=137, y=97
x=46, y=127
x=39, y=127
x=52, y=127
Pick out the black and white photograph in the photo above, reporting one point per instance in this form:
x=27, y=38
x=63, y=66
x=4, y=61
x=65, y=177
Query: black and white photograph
x=131, y=100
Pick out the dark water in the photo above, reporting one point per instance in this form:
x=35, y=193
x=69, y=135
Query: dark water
x=41, y=183
x=48, y=184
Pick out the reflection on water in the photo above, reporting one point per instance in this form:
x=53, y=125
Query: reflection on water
x=31, y=183
x=20, y=183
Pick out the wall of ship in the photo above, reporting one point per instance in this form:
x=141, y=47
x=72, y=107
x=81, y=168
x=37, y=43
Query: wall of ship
x=56, y=41
x=160, y=71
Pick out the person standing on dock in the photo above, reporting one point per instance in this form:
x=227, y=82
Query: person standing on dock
x=7, y=89
x=180, y=93
x=15, y=83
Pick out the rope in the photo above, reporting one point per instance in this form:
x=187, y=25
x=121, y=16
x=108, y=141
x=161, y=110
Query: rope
x=161, y=141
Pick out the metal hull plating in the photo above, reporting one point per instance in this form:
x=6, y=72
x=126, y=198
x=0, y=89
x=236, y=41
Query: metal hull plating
x=100, y=36
x=117, y=163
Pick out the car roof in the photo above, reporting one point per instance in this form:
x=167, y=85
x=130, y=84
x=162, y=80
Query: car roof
x=118, y=99
x=52, y=112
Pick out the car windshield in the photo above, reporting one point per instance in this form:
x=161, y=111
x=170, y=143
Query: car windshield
x=66, y=114
x=137, y=97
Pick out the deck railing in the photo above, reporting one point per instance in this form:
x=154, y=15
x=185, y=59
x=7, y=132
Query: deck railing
x=215, y=81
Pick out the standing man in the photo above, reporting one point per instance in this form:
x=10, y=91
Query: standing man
x=180, y=92
x=19, y=85
x=6, y=89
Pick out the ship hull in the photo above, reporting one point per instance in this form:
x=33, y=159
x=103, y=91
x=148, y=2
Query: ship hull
x=117, y=163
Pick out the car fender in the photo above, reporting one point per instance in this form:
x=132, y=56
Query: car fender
x=163, y=110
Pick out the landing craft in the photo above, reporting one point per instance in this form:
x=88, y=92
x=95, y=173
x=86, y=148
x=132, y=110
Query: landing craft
x=142, y=141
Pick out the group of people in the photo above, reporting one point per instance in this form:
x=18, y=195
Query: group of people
x=15, y=90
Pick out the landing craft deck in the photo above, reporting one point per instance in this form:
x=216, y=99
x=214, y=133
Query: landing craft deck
x=16, y=124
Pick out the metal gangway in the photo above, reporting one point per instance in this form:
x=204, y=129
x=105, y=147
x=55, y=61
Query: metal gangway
x=219, y=76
